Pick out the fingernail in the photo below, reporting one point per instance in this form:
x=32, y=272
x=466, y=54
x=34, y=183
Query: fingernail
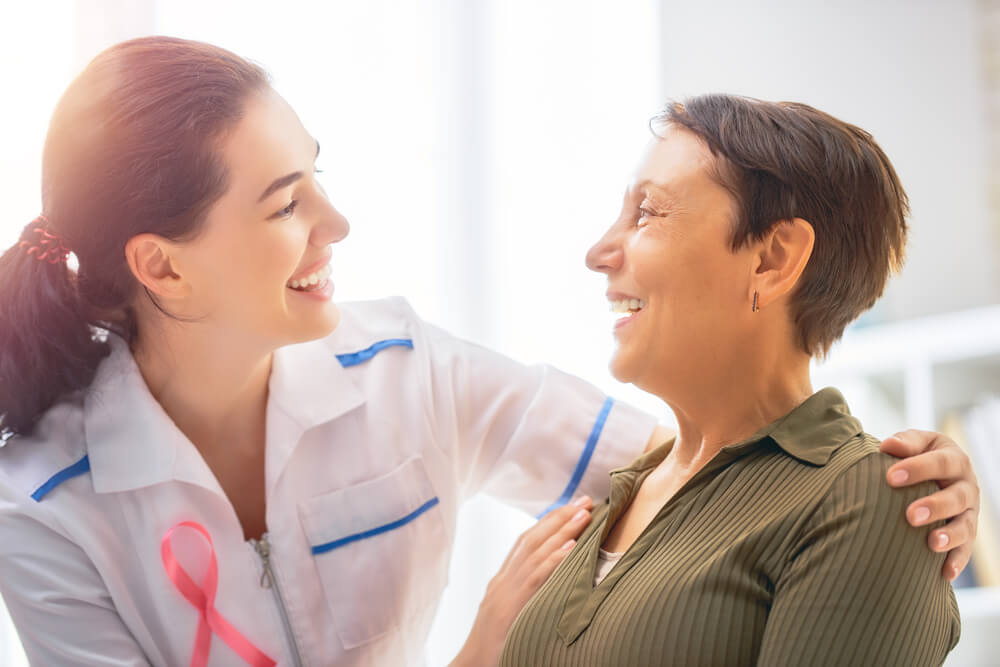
x=579, y=516
x=581, y=501
x=921, y=515
x=954, y=573
x=899, y=477
x=942, y=540
x=569, y=545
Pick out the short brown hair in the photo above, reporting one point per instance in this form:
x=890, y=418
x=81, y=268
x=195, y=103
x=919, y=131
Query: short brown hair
x=784, y=160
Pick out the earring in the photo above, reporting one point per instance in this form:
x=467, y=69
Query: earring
x=753, y=308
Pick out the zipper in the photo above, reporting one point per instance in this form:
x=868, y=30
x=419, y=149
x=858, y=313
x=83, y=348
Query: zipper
x=268, y=579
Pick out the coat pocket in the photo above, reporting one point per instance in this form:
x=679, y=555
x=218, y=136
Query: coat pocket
x=380, y=549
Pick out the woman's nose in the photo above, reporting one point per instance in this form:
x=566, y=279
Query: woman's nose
x=605, y=256
x=332, y=227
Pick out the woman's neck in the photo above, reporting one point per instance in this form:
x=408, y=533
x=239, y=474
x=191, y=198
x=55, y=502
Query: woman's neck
x=726, y=406
x=215, y=390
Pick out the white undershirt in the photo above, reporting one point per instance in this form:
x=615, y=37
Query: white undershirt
x=605, y=561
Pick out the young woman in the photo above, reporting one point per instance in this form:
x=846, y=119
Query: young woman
x=210, y=461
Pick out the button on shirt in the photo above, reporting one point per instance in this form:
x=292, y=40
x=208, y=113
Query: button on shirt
x=375, y=435
x=787, y=549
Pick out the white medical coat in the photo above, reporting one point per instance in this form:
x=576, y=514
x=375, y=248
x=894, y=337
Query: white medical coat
x=375, y=435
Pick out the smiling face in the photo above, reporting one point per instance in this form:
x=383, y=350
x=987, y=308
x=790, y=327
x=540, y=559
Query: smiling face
x=672, y=275
x=259, y=268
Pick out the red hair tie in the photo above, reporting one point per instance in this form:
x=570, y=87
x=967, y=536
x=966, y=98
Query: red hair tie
x=47, y=247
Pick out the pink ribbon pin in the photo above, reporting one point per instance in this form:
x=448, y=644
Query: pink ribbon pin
x=203, y=599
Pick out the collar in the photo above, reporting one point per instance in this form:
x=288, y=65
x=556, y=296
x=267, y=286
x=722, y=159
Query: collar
x=811, y=433
x=132, y=442
x=816, y=429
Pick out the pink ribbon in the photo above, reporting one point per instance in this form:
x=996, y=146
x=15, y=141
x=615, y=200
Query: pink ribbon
x=203, y=599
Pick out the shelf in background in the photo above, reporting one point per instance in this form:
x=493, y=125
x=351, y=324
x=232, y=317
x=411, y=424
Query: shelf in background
x=926, y=366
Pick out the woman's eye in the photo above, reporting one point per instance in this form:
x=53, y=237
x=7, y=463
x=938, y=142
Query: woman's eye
x=288, y=210
x=644, y=215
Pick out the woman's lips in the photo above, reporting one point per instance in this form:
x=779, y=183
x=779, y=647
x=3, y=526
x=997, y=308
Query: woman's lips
x=622, y=321
x=322, y=292
x=314, y=267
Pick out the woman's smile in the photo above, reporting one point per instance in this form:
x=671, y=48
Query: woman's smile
x=622, y=321
x=626, y=307
x=321, y=290
x=314, y=282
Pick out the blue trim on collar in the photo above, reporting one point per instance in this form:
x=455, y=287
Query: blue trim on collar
x=343, y=541
x=581, y=465
x=355, y=358
x=79, y=468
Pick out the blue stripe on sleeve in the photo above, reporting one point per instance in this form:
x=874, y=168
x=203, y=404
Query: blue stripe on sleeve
x=343, y=541
x=355, y=358
x=79, y=468
x=581, y=465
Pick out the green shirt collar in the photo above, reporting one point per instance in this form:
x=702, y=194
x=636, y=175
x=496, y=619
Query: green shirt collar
x=811, y=433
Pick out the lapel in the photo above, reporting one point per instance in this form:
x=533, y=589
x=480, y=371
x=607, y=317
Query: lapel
x=308, y=387
x=133, y=443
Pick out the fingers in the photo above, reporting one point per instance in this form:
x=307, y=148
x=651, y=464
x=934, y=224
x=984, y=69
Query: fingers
x=944, y=504
x=544, y=570
x=956, y=562
x=558, y=542
x=551, y=540
x=910, y=442
x=958, y=533
x=532, y=538
x=567, y=533
x=558, y=519
x=945, y=465
x=540, y=565
x=955, y=537
x=555, y=519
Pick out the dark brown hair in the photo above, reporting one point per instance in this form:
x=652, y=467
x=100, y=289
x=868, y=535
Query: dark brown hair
x=785, y=160
x=132, y=147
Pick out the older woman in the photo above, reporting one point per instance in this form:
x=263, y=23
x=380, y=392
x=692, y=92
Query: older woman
x=753, y=233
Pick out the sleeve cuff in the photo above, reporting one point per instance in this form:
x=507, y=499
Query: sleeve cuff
x=618, y=436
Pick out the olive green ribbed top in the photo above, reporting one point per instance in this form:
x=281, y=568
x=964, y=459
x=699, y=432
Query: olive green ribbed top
x=787, y=549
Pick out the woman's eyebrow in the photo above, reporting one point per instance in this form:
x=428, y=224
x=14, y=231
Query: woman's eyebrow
x=657, y=188
x=283, y=182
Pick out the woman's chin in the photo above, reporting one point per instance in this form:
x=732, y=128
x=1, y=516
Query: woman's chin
x=322, y=326
x=621, y=368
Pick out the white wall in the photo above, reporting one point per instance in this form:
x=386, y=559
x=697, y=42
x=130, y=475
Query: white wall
x=909, y=72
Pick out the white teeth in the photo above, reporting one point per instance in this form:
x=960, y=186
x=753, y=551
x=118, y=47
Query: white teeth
x=312, y=279
x=627, y=305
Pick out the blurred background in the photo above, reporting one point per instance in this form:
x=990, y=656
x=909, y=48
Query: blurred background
x=479, y=147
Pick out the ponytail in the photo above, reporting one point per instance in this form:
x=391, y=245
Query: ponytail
x=48, y=349
x=132, y=148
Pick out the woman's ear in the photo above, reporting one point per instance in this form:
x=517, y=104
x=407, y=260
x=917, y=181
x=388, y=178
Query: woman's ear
x=151, y=259
x=781, y=258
